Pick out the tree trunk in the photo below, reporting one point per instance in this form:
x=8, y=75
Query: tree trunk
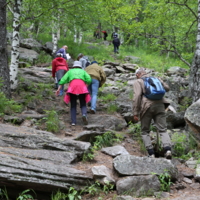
x=75, y=34
x=195, y=67
x=15, y=44
x=4, y=69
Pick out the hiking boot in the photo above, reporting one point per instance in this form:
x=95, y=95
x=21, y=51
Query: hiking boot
x=151, y=156
x=92, y=111
x=85, y=121
x=168, y=155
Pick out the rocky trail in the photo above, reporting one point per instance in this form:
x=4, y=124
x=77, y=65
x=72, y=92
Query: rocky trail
x=33, y=158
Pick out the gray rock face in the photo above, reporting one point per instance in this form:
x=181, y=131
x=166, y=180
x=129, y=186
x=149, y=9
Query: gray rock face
x=37, y=158
x=133, y=165
x=115, y=151
x=102, y=174
x=138, y=185
x=116, y=123
x=192, y=118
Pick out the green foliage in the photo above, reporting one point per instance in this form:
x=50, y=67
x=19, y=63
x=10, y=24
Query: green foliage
x=52, y=121
x=108, y=97
x=4, y=193
x=135, y=129
x=179, y=140
x=105, y=140
x=24, y=195
x=96, y=188
x=165, y=181
x=111, y=108
x=8, y=106
x=185, y=103
x=44, y=58
x=72, y=194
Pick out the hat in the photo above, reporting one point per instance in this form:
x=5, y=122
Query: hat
x=94, y=62
x=59, y=55
x=80, y=54
x=77, y=64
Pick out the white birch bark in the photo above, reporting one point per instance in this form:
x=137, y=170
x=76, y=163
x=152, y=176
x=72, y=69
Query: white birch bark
x=75, y=34
x=80, y=37
x=195, y=67
x=54, y=37
x=15, y=45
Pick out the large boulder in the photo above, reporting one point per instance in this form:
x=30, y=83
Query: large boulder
x=192, y=118
x=129, y=165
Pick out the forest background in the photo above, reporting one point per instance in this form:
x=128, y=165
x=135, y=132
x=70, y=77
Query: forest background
x=162, y=33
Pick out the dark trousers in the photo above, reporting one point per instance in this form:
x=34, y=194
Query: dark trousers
x=116, y=48
x=157, y=113
x=73, y=101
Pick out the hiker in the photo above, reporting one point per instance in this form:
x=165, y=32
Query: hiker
x=116, y=44
x=63, y=50
x=114, y=34
x=146, y=110
x=105, y=35
x=78, y=80
x=59, y=68
x=84, y=60
x=98, y=79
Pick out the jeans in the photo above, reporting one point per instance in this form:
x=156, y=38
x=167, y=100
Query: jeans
x=93, y=89
x=59, y=75
x=73, y=101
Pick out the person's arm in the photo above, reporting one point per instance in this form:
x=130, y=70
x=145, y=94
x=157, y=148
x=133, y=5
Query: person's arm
x=103, y=77
x=137, y=98
x=64, y=79
x=165, y=85
x=87, y=78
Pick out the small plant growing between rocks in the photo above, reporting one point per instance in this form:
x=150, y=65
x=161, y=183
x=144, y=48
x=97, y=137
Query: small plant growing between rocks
x=8, y=106
x=165, y=181
x=24, y=195
x=105, y=140
x=52, y=121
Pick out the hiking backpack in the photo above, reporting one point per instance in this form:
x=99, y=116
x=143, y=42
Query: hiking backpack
x=87, y=61
x=154, y=89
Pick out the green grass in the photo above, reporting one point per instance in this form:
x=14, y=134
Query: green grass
x=91, y=47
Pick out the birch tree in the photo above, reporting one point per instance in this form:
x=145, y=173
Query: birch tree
x=195, y=67
x=15, y=44
x=4, y=69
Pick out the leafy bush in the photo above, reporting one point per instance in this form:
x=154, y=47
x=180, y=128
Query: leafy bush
x=8, y=106
x=52, y=121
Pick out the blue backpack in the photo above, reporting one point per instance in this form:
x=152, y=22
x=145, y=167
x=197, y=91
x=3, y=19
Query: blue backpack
x=154, y=89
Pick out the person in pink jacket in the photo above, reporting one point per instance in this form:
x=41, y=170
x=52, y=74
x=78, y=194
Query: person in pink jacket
x=78, y=80
x=59, y=68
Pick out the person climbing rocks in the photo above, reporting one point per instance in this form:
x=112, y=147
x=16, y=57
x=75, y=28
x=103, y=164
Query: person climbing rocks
x=146, y=110
x=98, y=79
x=59, y=68
x=78, y=80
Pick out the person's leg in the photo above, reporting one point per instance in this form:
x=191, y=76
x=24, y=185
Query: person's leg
x=95, y=88
x=83, y=108
x=145, y=128
x=161, y=125
x=59, y=75
x=115, y=49
x=73, y=99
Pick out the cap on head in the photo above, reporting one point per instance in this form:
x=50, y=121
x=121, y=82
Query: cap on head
x=59, y=55
x=94, y=62
x=77, y=64
x=141, y=71
x=80, y=55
